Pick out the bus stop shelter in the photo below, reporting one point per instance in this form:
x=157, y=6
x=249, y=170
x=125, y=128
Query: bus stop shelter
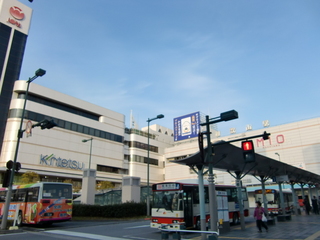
x=228, y=157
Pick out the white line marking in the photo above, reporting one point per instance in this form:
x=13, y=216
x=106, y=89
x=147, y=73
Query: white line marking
x=83, y=235
x=142, y=226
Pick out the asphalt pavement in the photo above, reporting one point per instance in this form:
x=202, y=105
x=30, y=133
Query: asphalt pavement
x=300, y=227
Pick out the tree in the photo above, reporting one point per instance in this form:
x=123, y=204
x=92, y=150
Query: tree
x=29, y=177
x=102, y=185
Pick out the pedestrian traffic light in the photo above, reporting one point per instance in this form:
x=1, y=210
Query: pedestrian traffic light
x=248, y=151
x=6, y=178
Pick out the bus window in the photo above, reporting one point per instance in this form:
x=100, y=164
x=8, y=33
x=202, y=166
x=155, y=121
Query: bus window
x=20, y=195
x=3, y=196
x=33, y=194
x=56, y=191
x=169, y=200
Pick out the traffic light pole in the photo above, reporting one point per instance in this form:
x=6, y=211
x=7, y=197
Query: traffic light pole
x=39, y=73
x=211, y=185
x=9, y=192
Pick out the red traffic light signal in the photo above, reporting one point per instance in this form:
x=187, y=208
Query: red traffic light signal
x=247, y=145
x=248, y=151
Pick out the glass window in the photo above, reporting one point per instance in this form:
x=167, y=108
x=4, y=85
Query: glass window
x=3, y=195
x=80, y=128
x=33, y=194
x=74, y=127
x=85, y=130
x=56, y=191
x=68, y=125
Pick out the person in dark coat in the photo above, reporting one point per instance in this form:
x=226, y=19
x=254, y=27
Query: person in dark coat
x=315, y=207
x=306, y=203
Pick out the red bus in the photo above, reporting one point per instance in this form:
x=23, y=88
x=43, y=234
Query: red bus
x=177, y=204
x=39, y=203
x=273, y=200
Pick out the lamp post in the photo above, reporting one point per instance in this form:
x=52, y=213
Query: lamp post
x=88, y=180
x=86, y=140
x=39, y=73
x=226, y=116
x=278, y=156
x=148, y=162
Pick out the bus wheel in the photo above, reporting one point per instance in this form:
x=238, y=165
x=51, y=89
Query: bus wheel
x=235, y=219
x=19, y=219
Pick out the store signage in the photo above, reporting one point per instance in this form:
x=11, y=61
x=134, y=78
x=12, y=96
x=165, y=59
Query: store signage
x=15, y=15
x=273, y=141
x=51, y=160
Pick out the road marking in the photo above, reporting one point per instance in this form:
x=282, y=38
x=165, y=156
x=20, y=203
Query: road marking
x=83, y=235
x=313, y=236
x=142, y=226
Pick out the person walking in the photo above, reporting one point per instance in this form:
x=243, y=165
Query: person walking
x=306, y=203
x=315, y=207
x=258, y=213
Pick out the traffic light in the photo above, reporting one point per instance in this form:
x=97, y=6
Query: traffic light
x=248, y=151
x=6, y=178
x=45, y=124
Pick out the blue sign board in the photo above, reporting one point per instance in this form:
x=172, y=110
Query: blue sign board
x=187, y=126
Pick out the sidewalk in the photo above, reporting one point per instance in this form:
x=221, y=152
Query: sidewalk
x=300, y=227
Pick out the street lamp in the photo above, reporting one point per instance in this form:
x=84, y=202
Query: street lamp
x=87, y=140
x=39, y=73
x=225, y=116
x=148, y=162
x=278, y=156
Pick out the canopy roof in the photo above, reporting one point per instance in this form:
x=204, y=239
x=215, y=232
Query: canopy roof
x=228, y=157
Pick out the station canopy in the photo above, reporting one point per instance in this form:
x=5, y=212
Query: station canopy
x=228, y=157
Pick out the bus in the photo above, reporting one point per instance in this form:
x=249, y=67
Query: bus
x=273, y=200
x=177, y=204
x=39, y=203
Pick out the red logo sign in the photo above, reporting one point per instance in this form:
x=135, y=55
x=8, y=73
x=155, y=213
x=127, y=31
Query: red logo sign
x=16, y=13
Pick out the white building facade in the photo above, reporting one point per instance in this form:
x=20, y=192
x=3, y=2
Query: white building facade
x=59, y=154
x=297, y=144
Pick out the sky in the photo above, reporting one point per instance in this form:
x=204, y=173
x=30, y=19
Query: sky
x=175, y=57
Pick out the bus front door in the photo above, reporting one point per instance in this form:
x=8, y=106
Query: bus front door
x=187, y=208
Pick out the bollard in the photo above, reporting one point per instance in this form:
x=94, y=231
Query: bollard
x=164, y=235
x=176, y=235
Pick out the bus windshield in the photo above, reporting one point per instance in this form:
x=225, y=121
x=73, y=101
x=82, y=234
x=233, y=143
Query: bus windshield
x=56, y=191
x=170, y=200
x=269, y=196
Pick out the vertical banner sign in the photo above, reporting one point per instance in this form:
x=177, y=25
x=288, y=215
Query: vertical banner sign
x=187, y=126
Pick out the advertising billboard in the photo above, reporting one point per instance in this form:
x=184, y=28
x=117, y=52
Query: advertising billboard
x=187, y=126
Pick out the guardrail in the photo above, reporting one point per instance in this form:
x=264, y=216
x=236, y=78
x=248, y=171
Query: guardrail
x=176, y=233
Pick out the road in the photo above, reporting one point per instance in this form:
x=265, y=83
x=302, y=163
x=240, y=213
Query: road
x=102, y=230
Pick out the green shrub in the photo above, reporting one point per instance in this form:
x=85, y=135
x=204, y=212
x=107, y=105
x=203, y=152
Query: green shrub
x=124, y=210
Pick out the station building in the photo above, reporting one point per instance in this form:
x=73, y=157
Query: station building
x=296, y=143
x=59, y=154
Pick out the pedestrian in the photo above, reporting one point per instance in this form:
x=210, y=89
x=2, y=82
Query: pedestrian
x=258, y=213
x=306, y=203
x=315, y=207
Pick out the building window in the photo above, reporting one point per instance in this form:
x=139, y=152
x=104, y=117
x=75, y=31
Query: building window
x=140, y=145
x=141, y=159
x=60, y=106
x=37, y=117
x=103, y=168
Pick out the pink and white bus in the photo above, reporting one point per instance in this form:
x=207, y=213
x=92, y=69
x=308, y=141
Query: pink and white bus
x=177, y=204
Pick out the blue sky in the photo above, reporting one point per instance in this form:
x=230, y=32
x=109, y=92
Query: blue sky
x=174, y=57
